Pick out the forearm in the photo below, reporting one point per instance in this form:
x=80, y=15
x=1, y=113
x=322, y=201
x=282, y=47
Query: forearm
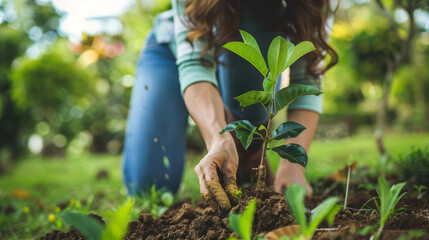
x=205, y=106
x=310, y=120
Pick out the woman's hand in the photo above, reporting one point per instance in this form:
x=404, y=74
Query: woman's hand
x=290, y=173
x=216, y=173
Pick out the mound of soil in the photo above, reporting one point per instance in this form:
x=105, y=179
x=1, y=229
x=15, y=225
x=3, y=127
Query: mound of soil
x=201, y=222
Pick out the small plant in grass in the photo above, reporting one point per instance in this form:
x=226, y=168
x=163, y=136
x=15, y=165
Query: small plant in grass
x=155, y=201
x=421, y=190
x=389, y=198
x=241, y=224
x=116, y=226
x=326, y=210
x=281, y=54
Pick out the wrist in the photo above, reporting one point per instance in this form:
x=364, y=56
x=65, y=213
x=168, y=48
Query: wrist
x=217, y=139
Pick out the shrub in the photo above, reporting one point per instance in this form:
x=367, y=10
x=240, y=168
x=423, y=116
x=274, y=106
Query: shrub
x=413, y=166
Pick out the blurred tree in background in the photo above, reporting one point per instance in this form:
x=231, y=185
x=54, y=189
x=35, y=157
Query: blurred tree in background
x=24, y=24
x=366, y=43
x=61, y=96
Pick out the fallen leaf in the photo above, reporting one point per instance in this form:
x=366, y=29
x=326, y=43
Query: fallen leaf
x=288, y=231
x=341, y=174
x=20, y=193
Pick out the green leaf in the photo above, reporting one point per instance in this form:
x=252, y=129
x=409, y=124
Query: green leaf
x=84, y=224
x=292, y=152
x=249, y=53
x=167, y=198
x=166, y=162
x=288, y=130
x=366, y=230
x=117, y=226
x=262, y=127
x=249, y=39
x=234, y=222
x=295, y=198
x=269, y=83
x=245, y=136
x=389, y=198
x=244, y=130
x=327, y=209
x=277, y=54
x=252, y=97
x=286, y=95
x=249, y=139
x=242, y=224
x=298, y=51
x=238, y=124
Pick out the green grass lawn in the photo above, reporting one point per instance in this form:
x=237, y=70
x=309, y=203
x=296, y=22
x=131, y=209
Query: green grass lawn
x=57, y=182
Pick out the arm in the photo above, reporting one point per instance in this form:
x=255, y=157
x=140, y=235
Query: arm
x=206, y=108
x=202, y=99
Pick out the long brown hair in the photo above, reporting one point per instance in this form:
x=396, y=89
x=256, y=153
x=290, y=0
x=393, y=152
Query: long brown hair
x=301, y=20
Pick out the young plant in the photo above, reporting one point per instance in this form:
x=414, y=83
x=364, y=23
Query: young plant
x=241, y=224
x=326, y=210
x=238, y=193
x=281, y=54
x=421, y=190
x=388, y=200
x=155, y=201
x=115, y=228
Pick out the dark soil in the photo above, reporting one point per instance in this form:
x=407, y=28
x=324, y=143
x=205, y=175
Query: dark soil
x=201, y=222
x=185, y=221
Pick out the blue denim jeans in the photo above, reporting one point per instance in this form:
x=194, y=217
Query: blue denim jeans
x=154, y=150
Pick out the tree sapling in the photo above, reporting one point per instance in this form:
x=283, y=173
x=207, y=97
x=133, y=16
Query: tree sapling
x=281, y=54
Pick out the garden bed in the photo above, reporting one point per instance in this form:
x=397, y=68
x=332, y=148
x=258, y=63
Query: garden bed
x=184, y=221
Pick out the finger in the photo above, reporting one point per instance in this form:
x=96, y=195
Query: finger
x=309, y=189
x=208, y=197
x=219, y=194
x=201, y=179
x=231, y=189
x=204, y=190
x=279, y=187
x=212, y=180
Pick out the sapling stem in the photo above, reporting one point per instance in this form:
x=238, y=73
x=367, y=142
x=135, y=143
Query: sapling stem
x=262, y=169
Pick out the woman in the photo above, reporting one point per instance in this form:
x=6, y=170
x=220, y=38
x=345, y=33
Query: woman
x=183, y=70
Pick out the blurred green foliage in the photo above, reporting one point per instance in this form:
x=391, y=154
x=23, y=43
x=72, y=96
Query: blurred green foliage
x=64, y=97
x=413, y=166
x=364, y=41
